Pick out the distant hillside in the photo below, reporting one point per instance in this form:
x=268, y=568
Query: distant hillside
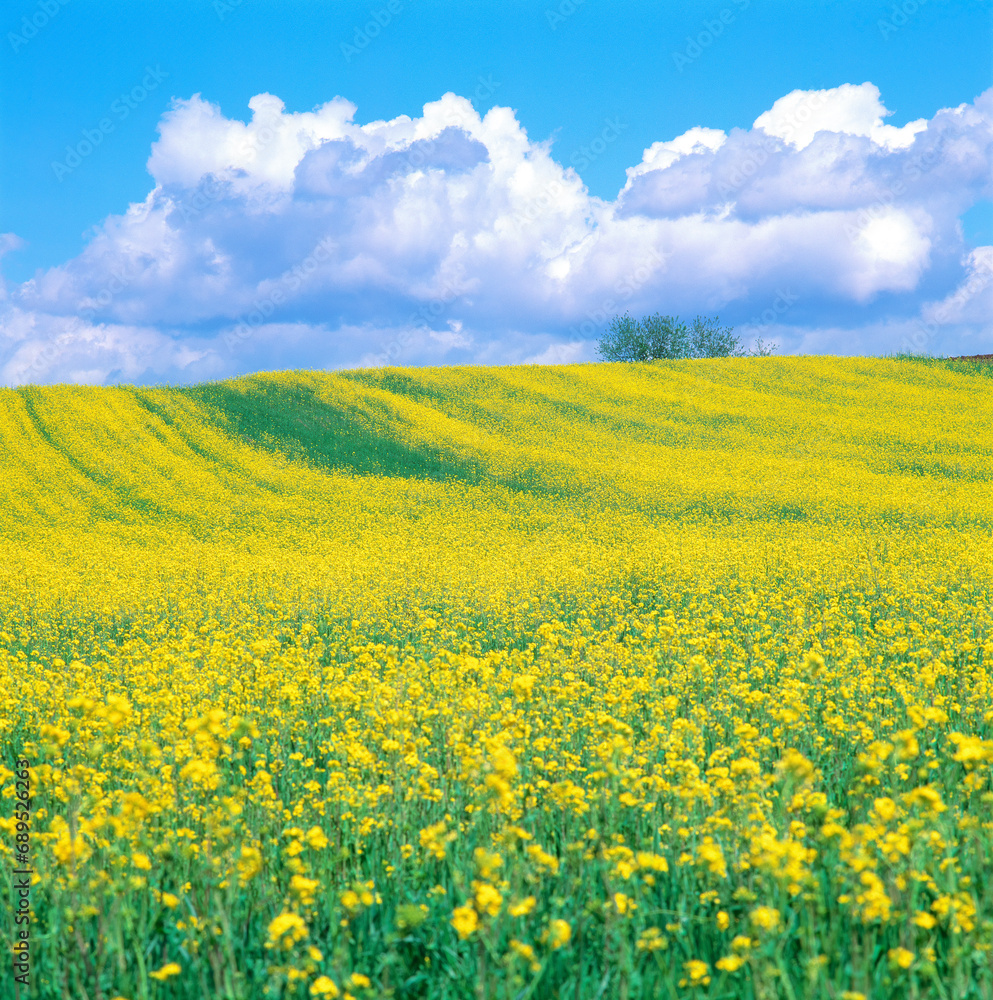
x=748, y=438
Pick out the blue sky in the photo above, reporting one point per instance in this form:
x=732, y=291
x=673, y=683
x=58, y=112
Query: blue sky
x=501, y=238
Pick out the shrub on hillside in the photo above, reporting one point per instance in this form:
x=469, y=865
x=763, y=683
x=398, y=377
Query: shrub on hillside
x=657, y=337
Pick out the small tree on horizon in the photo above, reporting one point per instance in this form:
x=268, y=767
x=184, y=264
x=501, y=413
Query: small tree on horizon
x=656, y=337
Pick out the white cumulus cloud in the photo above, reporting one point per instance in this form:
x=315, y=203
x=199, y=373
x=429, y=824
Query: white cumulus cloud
x=848, y=109
x=307, y=239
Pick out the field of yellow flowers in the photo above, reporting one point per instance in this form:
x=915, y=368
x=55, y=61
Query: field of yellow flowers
x=593, y=681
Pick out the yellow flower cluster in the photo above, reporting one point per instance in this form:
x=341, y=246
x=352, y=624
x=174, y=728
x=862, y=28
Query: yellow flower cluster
x=670, y=677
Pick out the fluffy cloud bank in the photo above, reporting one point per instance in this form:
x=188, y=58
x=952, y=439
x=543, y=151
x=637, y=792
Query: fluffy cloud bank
x=307, y=240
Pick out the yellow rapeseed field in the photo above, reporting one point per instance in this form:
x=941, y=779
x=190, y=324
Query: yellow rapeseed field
x=664, y=680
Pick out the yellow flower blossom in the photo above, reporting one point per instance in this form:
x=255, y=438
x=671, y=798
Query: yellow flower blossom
x=525, y=951
x=558, y=934
x=731, y=963
x=651, y=940
x=488, y=899
x=765, y=918
x=167, y=971
x=697, y=973
x=286, y=929
x=522, y=908
x=316, y=839
x=465, y=921
x=901, y=957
